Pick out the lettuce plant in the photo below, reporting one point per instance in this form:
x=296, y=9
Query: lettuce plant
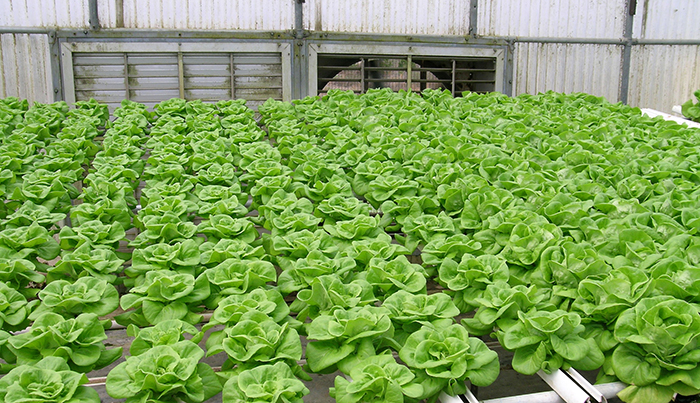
x=265, y=383
x=690, y=109
x=164, y=295
x=28, y=242
x=469, y=278
x=363, y=251
x=549, y=340
x=14, y=309
x=235, y=276
x=48, y=380
x=92, y=233
x=387, y=277
x=299, y=244
x=212, y=253
x=446, y=356
x=327, y=293
x=340, y=208
x=77, y=340
x=105, y=210
x=453, y=247
x=379, y=378
x=299, y=274
x=29, y=213
x=256, y=340
x=167, y=332
x=182, y=257
x=85, y=295
x=605, y=299
x=166, y=228
x=232, y=308
x=344, y=333
x=225, y=227
x=19, y=273
x=101, y=263
x=164, y=373
x=658, y=342
x=500, y=303
x=409, y=312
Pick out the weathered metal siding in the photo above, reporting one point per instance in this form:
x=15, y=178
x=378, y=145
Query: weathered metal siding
x=552, y=18
x=594, y=69
x=107, y=13
x=418, y=17
x=663, y=76
x=25, y=71
x=209, y=14
x=667, y=19
x=44, y=13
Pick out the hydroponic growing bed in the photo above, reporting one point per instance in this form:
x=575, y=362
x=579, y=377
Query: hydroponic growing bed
x=562, y=225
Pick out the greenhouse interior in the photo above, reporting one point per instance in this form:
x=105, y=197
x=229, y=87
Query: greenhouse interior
x=324, y=201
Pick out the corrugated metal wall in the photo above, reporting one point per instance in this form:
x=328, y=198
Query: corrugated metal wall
x=421, y=17
x=663, y=76
x=25, y=71
x=667, y=19
x=44, y=13
x=552, y=18
x=567, y=68
x=209, y=14
x=660, y=76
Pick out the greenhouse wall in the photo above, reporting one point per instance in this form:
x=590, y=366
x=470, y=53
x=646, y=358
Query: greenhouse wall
x=553, y=19
x=567, y=68
x=423, y=17
x=647, y=57
x=24, y=67
x=663, y=75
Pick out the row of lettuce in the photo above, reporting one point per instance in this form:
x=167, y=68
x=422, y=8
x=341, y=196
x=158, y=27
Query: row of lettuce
x=566, y=223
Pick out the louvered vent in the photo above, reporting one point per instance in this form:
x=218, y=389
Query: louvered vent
x=362, y=72
x=153, y=77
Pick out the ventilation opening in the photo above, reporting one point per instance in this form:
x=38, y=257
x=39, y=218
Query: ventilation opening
x=154, y=77
x=362, y=72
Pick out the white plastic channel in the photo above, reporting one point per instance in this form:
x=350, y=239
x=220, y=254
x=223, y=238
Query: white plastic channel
x=586, y=386
x=565, y=387
x=652, y=113
x=445, y=398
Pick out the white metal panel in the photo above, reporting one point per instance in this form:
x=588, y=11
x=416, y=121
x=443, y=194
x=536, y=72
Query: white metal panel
x=667, y=19
x=594, y=69
x=107, y=13
x=209, y=14
x=25, y=68
x=426, y=17
x=663, y=76
x=44, y=13
x=552, y=18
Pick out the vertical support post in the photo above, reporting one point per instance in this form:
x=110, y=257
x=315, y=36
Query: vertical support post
x=473, y=16
x=180, y=71
x=233, y=76
x=94, y=16
x=627, y=51
x=409, y=72
x=362, y=76
x=300, y=55
x=55, y=54
x=126, y=76
x=454, y=73
x=508, y=70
